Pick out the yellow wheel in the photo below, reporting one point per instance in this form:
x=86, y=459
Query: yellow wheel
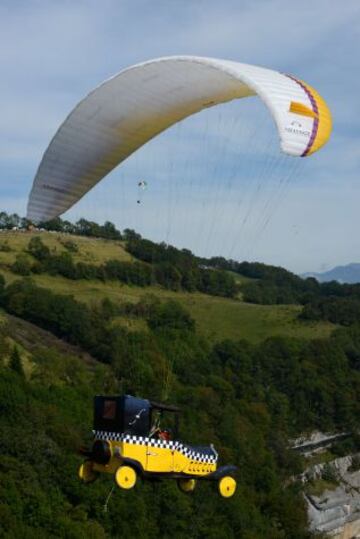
x=186, y=485
x=125, y=477
x=86, y=472
x=227, y=486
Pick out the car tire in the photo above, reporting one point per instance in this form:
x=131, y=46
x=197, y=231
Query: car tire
x=125, y=477
x=186, y=485
x=227, y=486
x=87, y=473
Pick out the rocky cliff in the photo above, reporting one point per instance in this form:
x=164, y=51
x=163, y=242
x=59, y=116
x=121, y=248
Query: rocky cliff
x=331, y=487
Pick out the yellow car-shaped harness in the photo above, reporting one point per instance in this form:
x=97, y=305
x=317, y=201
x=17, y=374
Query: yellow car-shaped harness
x=126, y=445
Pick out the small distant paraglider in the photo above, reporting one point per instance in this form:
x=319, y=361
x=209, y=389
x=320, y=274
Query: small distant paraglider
x=142, y=186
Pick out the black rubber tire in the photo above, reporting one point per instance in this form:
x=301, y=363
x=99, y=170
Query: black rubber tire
x=101, y=452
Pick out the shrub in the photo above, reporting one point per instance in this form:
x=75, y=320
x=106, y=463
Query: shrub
x=22, y=265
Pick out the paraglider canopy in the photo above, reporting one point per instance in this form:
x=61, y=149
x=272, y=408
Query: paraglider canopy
x=132, y=107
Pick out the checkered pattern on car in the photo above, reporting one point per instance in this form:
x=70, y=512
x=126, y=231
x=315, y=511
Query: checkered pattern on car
x=206, y=455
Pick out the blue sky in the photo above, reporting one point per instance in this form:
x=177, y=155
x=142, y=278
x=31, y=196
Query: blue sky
x=211, y=187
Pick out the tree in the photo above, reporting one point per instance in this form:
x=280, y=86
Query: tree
x=7, y=222
x=168, y=275
x=5, y=247
x=170, y=315
x=61, y=264
x=37, y=249
x=110, y=232
x=2, y=287
x=131, y=235
x=15, y=361
x=22, y=265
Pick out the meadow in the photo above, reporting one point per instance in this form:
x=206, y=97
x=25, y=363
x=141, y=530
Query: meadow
x=216, y=317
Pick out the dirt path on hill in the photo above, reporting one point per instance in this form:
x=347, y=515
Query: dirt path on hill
x=32, y=338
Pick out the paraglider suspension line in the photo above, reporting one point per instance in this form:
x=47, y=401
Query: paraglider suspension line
x=108, y=499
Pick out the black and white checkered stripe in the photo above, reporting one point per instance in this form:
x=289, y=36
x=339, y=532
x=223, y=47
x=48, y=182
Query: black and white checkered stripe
x=209, y=457
x=190, y=453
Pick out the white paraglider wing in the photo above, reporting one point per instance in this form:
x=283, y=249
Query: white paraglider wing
x=140, y=102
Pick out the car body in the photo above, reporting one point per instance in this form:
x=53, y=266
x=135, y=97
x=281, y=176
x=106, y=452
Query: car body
x=128, y=442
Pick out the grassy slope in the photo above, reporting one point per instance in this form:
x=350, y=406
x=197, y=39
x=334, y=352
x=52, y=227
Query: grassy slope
x=91, y=250
x=216, y=317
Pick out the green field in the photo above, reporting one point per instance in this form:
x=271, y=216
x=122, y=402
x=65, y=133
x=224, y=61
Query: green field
x=90, y=250
x=216, y=318
x=240, y=278
x=220, y=318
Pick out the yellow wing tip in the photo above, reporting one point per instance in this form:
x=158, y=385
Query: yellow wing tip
x=323, y=119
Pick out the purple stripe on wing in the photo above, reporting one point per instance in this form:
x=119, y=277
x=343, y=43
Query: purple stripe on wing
x=315, y=109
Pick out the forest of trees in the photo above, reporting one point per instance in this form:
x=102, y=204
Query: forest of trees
x=247, y=399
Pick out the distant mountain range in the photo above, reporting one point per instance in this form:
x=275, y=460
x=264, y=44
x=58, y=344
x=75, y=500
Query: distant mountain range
x=343, y=274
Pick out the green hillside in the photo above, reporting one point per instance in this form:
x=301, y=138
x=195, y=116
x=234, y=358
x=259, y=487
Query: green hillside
x=216, y=317
x=91, y=250
x=248, y=377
